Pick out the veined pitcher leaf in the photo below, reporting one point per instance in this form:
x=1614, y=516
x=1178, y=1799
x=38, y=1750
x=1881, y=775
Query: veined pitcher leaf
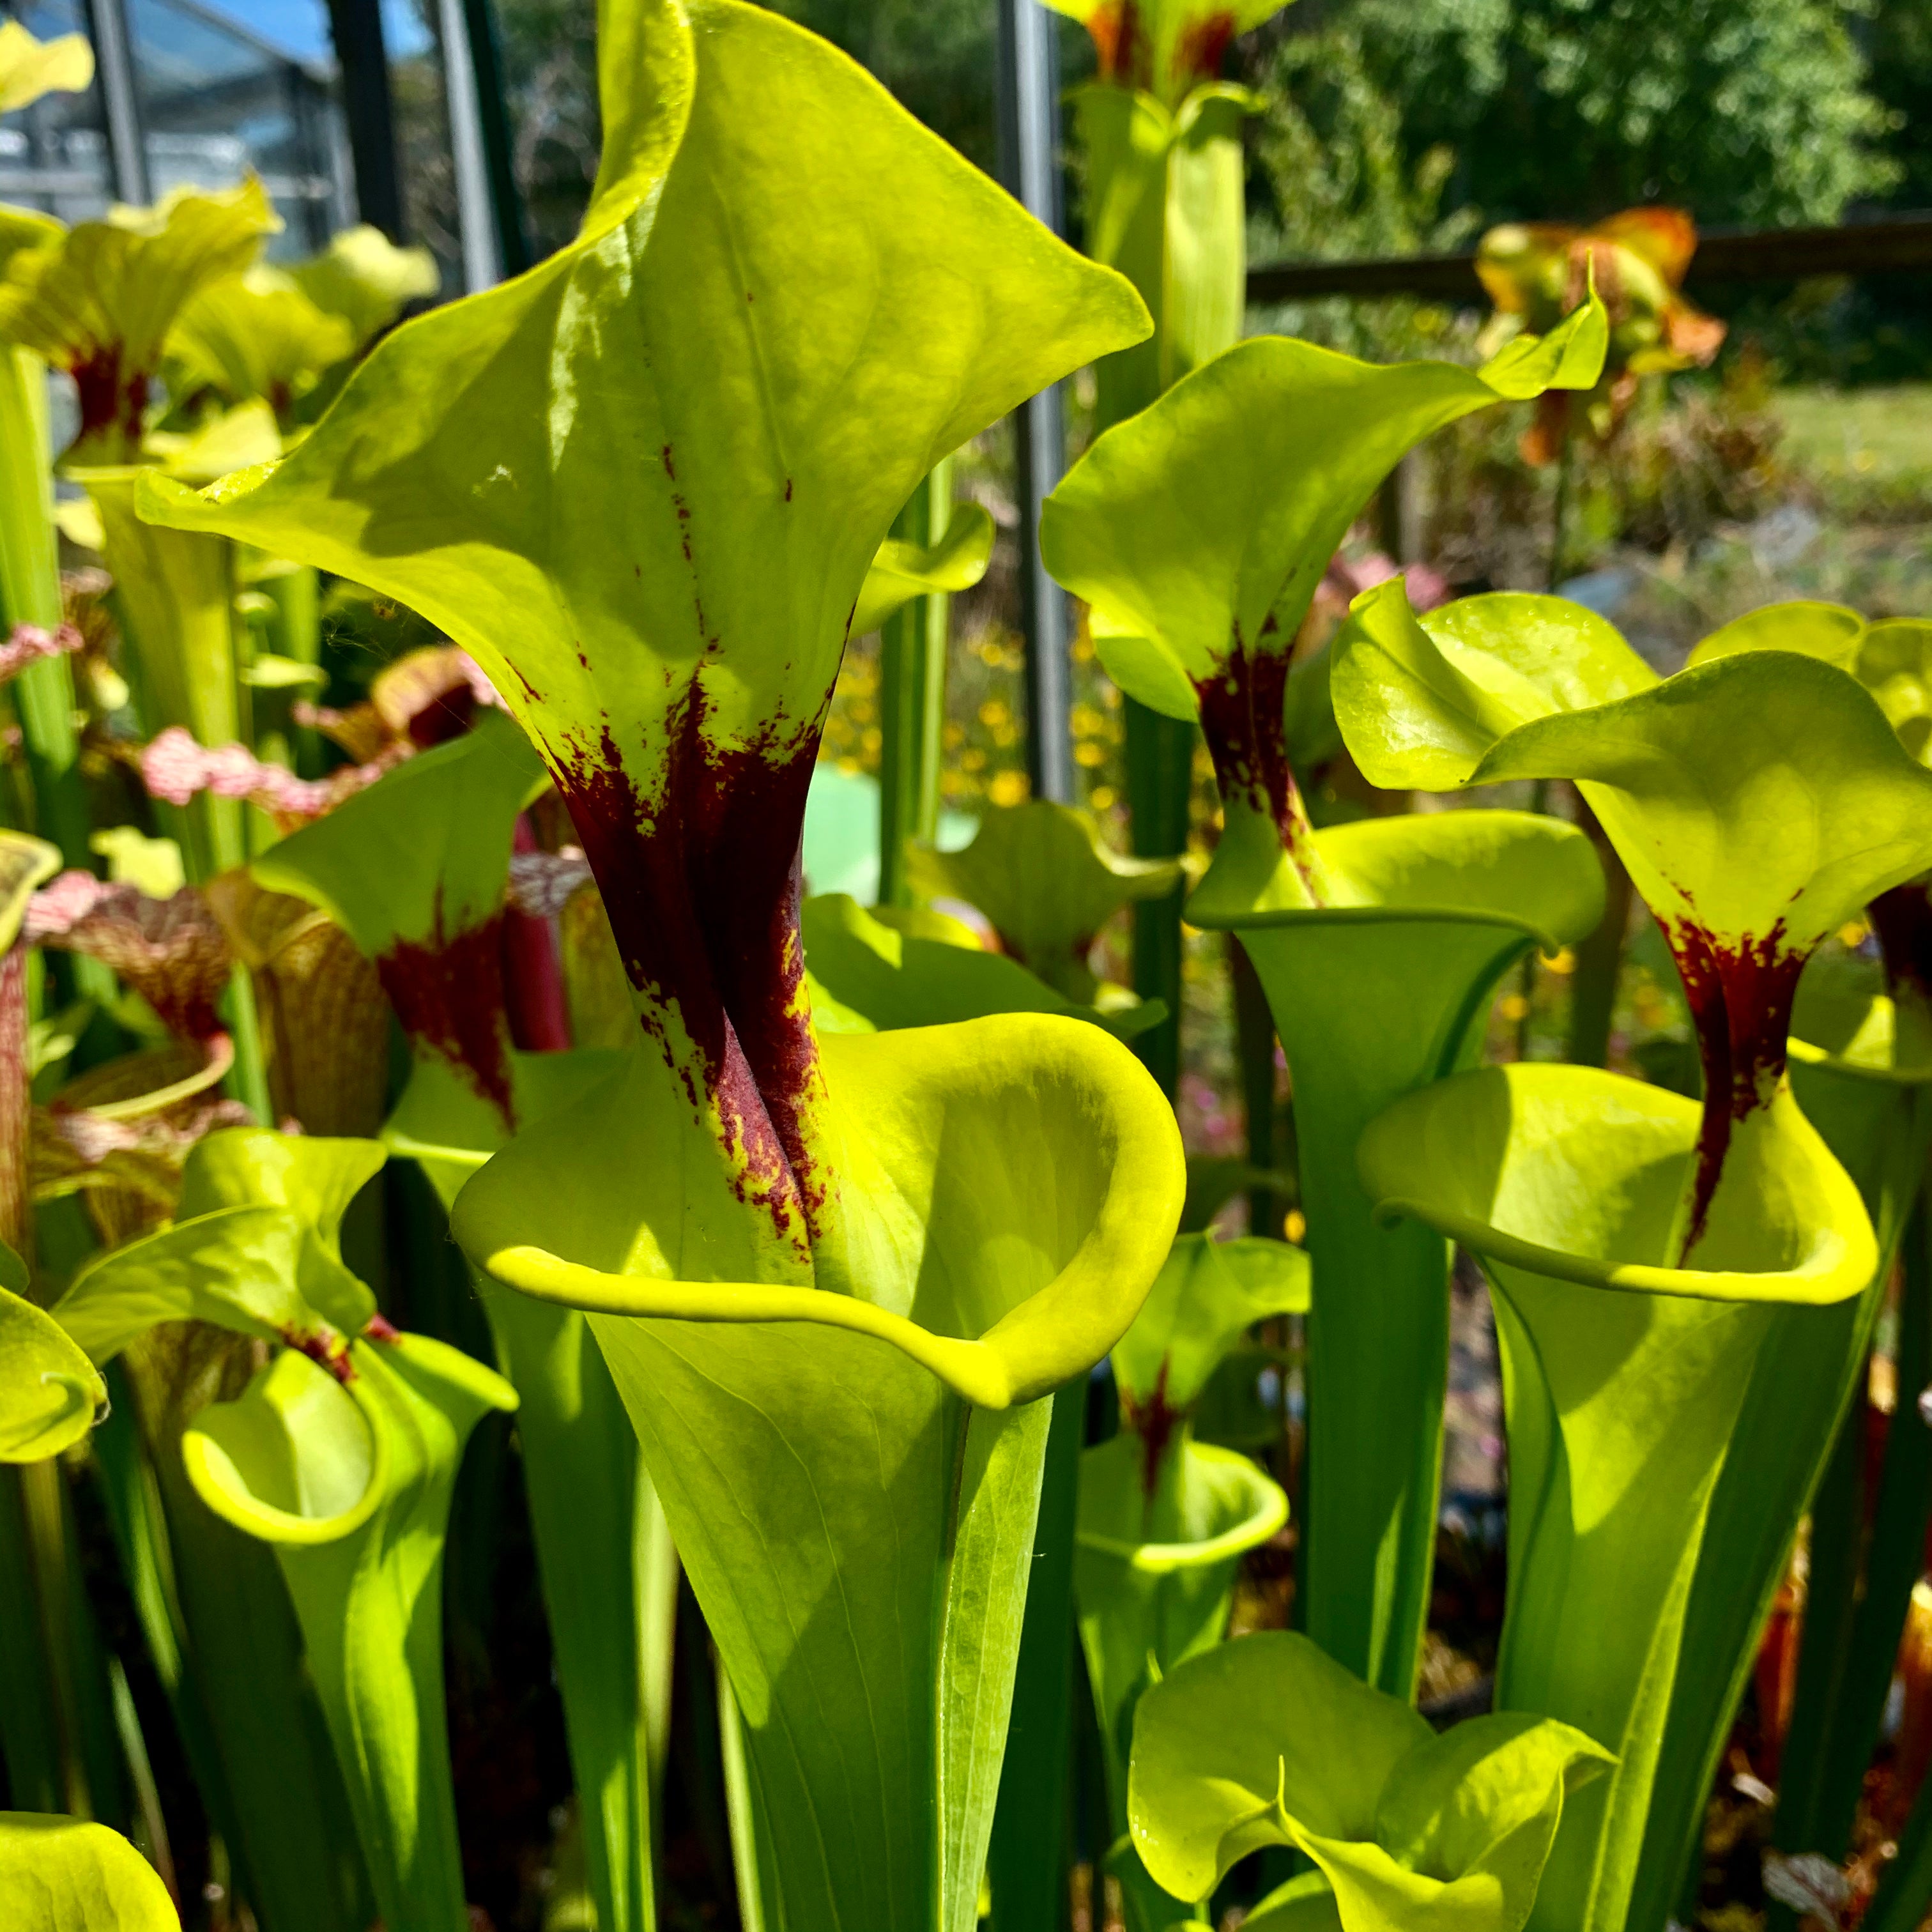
x=642, y=484
x=1157, y=1546
x=1861, y=1072
x=364, y=278
x=257, y=336
x=903, y=570
x=50, y=1393
x=1042, y=874
x=1163, y=1520
x=1016, y=1167
x=351, y=1485
x=429, y=913
x=1625, y=1376
x=894, y=979
x=1266, y=1742
x=99, y=301
x=1201, y=528
x=29, y=68
x=62, y=1875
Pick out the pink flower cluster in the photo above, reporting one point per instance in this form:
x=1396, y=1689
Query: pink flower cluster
x=29, y=644
x=55, y=910
x=174, y=768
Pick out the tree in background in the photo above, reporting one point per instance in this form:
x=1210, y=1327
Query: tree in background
x=1899, y=41
x=1392, y=114
x=1755, y=112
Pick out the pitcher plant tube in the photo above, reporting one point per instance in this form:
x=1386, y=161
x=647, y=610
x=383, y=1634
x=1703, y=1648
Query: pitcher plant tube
x=414, y=868
x=1198, y=533
x=832, y=1274
x=340, y=1453
x=1164, y=1520
x=1161, y=137
x=1758, y=803
x=1861, y=1072
x=1047, y=883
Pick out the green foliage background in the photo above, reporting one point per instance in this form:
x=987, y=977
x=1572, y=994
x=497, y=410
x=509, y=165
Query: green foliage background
x=1755, y=112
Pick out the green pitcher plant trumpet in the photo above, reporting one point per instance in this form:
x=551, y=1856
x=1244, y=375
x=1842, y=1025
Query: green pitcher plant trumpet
x=429, y=912
x=1198, y=532
x=50, y=1393
x=1166, y=204
x=1162, y=132
x=1048, y=883
x=364, y=278
x=66, y=1875
x=1164, y=1520
x=30, y=68
x=341, y=1454
x=1860, y=1053
x=925, y=969
x=98, y=299
x=1759, y=801
x=1861, y=1073
x=831, y=1275
x=1267, y=1740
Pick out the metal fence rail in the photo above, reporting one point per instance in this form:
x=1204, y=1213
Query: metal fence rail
x=1896, y=244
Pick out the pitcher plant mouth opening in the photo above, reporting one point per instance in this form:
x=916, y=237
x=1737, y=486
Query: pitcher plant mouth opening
x=1814, y=1258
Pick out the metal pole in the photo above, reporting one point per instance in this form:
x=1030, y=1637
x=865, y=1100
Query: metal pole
x=1027, y=1861
x=482, y=264
x=493, y=122
x=114, y=62
x=1029, y=103
x=356, y=28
